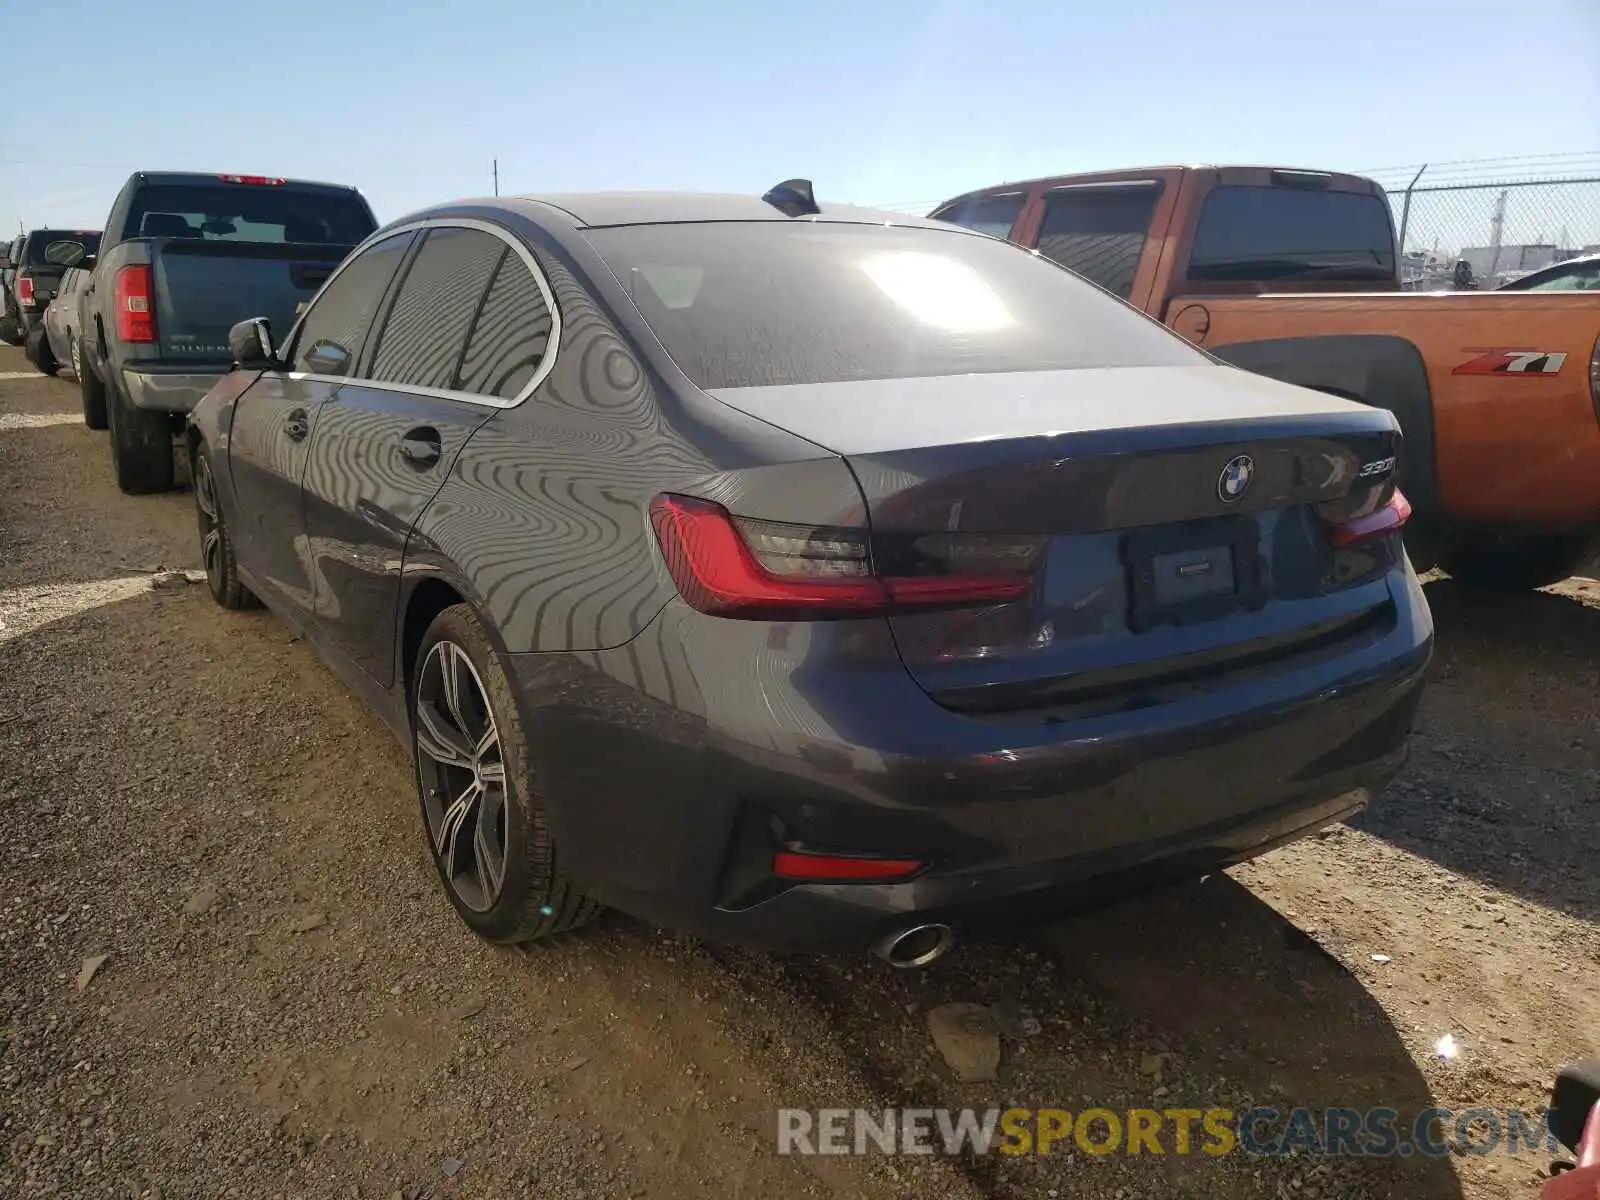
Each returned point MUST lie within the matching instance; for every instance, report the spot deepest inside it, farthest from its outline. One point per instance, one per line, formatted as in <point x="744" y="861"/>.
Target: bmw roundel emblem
<point x="1235" y="479"/>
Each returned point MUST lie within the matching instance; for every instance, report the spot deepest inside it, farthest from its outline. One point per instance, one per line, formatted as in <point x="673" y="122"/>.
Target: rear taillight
<point x="25" y="290"/>
<point x="254" y="180"/>
<point x="798" y="865"/>
<point x="731" y="566"/>
<point x="136" y="318"/>
<point x="1391" y="518"/>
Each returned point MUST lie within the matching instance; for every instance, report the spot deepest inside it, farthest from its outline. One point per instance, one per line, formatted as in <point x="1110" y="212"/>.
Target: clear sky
<point x="885" y="102"/>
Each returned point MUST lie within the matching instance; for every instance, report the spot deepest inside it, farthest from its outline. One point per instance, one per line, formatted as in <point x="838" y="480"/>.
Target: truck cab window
<point x="1099" y="231"/>
<point x="994" y="215"/>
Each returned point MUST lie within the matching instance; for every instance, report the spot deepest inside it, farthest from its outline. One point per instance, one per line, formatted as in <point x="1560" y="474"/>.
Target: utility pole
<point x="497" y="177"/>
<point x="1497" y="225"/>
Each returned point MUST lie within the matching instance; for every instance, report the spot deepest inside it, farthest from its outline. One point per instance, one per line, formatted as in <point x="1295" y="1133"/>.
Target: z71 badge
<point x="1511" y="362"/>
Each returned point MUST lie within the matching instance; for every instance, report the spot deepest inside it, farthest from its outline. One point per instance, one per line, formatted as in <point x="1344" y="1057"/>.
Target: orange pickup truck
<point x="1294" y="274"/>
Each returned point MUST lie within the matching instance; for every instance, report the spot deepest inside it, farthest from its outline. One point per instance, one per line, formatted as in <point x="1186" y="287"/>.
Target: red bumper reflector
<point x="1388" y="519"/>
<point x="793" y="864"/>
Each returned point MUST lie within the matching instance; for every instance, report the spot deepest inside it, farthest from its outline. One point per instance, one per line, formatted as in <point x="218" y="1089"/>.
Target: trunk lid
<point x="204" y="288"/>
<point x="1180" y="518"/>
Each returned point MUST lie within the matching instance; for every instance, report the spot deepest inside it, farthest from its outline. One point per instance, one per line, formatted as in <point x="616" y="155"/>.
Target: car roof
<point x="599" y="209"/>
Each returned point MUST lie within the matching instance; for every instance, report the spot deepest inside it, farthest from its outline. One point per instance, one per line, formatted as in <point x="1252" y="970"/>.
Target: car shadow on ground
<point x="1199" y="996"/>
<point x="1505" y="771"/>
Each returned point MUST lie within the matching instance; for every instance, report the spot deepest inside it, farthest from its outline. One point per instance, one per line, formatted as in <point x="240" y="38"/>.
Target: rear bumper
<point x="673" y="767"/>
<point x="167" y="391"/>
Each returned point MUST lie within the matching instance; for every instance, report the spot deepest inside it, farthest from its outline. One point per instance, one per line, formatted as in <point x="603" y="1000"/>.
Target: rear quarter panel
<point x="1515" y="431"/>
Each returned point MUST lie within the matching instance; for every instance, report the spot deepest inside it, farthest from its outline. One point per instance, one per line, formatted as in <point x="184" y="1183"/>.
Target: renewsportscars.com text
<point x="1372" y="1132"/>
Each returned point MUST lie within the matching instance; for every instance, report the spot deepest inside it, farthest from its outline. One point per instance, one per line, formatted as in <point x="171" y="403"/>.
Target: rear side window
<point x="242" y="212"/>
<point x="748" y="304"/>
<point x="1099" y="231"/>
<point x="1286" y="232"/>
<point x="423" y="338"/>
<point x="330" y="333"/>
<point x="994" y="215"/>
<point x="511" y="335"/>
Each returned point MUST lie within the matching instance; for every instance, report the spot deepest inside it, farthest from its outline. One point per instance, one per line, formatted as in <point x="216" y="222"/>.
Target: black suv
<point x="38" y="260"/>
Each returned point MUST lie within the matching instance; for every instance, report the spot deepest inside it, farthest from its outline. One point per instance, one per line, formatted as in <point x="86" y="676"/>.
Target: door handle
<point x="421" y="447"/>
<point x="296" y="425"/>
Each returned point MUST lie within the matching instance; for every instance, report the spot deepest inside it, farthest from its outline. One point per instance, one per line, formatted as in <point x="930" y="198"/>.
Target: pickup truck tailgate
<point x="204" y="288"/>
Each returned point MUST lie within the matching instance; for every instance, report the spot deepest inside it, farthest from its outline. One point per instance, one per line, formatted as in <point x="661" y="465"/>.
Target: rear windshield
<point x="1283" y="233"/>
<point x="248" y="213"/>
<point x="41" y="240"/>
<point x="748" y="304"/>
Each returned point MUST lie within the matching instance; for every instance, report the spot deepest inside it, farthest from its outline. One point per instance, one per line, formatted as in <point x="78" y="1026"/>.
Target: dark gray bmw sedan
<point x="812" y="578"/>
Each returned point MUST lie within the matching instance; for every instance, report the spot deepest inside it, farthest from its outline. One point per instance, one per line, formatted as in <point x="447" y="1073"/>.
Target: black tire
<point x="38" y="352"/>
<point x="90" y="389"/>
<point x="1534" y="563"/>
<point x="216" y="546"/>
<point x="10" y="330"/>
<point x="533" y="897"/>
<point x="141" y="447"/>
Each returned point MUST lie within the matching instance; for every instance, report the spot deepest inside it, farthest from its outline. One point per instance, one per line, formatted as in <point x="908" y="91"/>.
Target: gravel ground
<point x="288" y="1007"/>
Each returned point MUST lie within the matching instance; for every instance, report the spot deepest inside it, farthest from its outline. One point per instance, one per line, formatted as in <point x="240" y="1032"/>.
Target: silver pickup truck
<point x="183" y="258"/>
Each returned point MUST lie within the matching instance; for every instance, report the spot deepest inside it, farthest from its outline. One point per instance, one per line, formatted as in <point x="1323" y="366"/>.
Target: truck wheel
<point x="10" y="331"/>
<point x="141" y="447"/>
<point x="38" y="352"/>
<point x="90" y="389"/>
<point x="216" y="546"/>
<point x="1534" y="563"/>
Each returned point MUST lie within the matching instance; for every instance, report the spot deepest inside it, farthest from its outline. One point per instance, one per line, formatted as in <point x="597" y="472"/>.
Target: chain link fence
<point x="1481" y="224"/>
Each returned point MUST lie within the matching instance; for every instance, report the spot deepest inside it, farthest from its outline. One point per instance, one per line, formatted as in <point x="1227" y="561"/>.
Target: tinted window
<point x="240" y="212"/>
<point x="41" y="239"/>
<point x="1282" y="232"/>
<point x="1099" y="232"/>
<point x="511" y="335"/>
<point x="329" y="336"/>
<point x="752" y="303"/>
<point x="994" y="215"/>
<point x="423" y="337"/>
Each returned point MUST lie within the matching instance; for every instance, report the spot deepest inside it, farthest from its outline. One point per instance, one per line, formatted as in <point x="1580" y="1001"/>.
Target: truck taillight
<point x="136" y="318"/>
<point x="25" y="290"/>
<point x="731" y="566"/>
<point x="253" y="180"/>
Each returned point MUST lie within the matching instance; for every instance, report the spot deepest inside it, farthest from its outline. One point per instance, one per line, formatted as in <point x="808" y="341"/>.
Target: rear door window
<point x="511" y="335"/>
<point x="994" y="215"/>
<point x="1291" y="232"/>
<point x="330" y="334"/>
<point x="425" y="333"/>
<point x="243" y="212"/>
<point x="1099" y="231"/>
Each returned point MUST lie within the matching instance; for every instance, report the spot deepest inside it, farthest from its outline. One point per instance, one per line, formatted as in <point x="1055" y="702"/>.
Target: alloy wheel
<point x="463" y="776"/>
<point x="72" y="350"/>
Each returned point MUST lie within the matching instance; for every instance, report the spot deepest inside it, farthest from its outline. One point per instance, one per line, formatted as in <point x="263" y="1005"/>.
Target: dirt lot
<point x="289" y="1007"/>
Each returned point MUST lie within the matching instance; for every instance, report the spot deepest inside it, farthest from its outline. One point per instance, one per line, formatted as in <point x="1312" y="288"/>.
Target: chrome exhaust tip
<point x="917" y="946"/>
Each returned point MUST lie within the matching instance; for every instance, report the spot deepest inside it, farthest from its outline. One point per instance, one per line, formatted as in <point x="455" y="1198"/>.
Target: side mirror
<point x="251" y="344"/>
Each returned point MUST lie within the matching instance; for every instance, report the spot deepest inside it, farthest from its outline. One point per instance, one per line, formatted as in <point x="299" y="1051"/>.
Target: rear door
<point x="462" y="336"/>
<point x="274" y="420"/>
